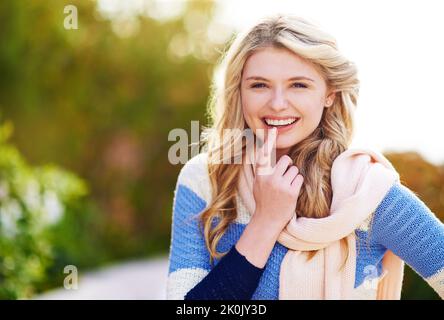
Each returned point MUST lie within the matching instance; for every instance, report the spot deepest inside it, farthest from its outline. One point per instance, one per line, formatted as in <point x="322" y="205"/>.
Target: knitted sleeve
<point x="233" y="278"/>
<point x="190" y="275"/>
<point x="188" y="258"/>
<point x="405" y="225"/>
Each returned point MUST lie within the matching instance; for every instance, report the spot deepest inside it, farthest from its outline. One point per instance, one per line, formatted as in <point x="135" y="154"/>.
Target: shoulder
<point x="194" y="176"/>
<point x="197" y="164"/>
<point x="370" y="155"/>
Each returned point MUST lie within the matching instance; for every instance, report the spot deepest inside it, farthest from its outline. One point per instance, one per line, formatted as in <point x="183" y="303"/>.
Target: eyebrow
<point x="290" y="79"/>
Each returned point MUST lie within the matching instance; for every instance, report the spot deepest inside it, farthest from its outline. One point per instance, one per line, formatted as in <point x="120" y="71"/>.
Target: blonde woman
<point x="325" y="221"/>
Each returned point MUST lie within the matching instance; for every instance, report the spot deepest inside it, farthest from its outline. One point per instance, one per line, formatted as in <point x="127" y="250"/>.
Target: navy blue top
<point x="233" y="278"/>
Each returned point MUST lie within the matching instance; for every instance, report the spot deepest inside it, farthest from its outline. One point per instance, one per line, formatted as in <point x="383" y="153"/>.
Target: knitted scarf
<point x="360" y="179"/>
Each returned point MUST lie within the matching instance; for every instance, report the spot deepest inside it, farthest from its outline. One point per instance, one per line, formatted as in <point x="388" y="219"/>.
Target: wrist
<point x="269" y="224"/>
<point x="257" y="240"/>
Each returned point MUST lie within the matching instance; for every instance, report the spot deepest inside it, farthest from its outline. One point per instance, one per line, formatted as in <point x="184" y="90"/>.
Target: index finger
<point x="266" y="159"/>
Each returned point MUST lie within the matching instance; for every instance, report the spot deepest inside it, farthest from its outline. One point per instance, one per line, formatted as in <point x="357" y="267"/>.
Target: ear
<point x="330" y="99"/>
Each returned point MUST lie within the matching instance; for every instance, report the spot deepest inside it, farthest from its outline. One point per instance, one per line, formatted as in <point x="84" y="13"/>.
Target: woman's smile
<point x="282" y="124"/>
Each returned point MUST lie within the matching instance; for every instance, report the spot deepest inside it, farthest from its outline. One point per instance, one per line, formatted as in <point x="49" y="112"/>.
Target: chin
<point x="284" y="142"/>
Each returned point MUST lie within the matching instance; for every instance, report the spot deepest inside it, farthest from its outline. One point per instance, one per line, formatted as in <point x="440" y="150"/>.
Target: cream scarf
<point x="360" y="179"/>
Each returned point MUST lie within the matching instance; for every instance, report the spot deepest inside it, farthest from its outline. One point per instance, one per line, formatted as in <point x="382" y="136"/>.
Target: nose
<point x="278" y="100"/>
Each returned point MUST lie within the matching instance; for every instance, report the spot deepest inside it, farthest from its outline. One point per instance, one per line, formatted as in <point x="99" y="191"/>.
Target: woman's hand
<point x="275" y="188"/>
<point x="275" y="191"/>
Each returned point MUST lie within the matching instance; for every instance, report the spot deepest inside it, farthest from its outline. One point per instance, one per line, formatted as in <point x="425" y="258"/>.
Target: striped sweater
<point x="402" y="223"/>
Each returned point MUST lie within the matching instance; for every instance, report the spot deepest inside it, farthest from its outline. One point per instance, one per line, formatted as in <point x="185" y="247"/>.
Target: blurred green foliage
<point x="102" y="105"/>
<point x="100" y="101"/>
<point x="32" y="199"/>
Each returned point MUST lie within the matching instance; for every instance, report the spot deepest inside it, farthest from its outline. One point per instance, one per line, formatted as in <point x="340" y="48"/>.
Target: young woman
<point x="326" y="221"/>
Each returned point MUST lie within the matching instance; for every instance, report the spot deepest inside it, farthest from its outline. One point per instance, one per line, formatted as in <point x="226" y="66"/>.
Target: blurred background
<point x="85" y="115"/>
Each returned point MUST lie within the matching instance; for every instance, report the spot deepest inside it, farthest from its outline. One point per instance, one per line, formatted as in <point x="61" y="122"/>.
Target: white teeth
<point x="273" y="122"/>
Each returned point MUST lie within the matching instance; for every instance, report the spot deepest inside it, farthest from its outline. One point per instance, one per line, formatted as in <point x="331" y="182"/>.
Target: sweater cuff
<point x="233" y="278"/>
<point x="242" y="261"/>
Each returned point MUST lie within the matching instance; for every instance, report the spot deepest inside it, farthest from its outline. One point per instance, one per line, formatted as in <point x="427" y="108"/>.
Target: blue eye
<point x="258" y="85"/>
<point x="263" y="85"/>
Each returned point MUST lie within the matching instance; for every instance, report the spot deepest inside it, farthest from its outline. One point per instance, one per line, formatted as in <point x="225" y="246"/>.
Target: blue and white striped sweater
<point x="401" y="223"/>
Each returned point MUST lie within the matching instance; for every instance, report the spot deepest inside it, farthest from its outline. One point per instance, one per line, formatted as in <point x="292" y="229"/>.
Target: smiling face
<point x="278" y="88"/>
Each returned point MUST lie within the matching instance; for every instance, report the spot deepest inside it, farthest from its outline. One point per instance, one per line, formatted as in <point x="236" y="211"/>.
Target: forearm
<point x="257" y="240"/>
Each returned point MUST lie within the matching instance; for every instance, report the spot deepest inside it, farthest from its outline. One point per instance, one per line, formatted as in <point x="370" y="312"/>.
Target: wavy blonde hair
<point x="313" y="156"/>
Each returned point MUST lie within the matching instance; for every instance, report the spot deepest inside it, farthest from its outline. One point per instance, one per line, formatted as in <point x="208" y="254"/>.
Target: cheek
<point x="251" y="105"/>
<point x="311" y="109"/>
<point x="313" y="114"/>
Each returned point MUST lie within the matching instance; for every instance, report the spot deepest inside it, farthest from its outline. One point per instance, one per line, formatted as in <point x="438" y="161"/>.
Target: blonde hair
<point x="313" y="156"/>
